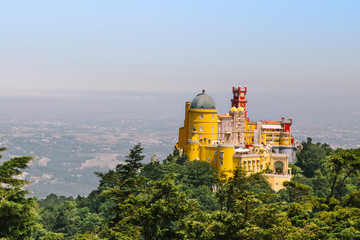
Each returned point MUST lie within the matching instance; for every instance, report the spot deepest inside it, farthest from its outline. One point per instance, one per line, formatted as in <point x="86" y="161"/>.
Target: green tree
<point x="296" y="191"/>
<point x="122" y="172"/>
<point x="199" y="173"/>
<point x="155" y="213"/>
<point x="69" y="220"/>
<point x="18" y="216"/>
<point x="352" y="199"/>
<point x="343" y="165"/>
<point x="231" y="189"/>
<point x="124" y="178"/>
<point x="133" y="162"/>
<point x="312" y="156"/>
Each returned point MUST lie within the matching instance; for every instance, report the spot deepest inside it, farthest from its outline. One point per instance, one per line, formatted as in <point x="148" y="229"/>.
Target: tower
<point x="200" y="114"/>
<point x="239" y="98"/>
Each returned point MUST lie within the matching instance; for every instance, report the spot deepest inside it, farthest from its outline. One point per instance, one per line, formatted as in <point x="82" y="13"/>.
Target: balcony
<point x="277" y="175"/>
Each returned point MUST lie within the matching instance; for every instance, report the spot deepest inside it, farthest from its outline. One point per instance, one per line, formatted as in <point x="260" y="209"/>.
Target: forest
<point x="178" y="199"/>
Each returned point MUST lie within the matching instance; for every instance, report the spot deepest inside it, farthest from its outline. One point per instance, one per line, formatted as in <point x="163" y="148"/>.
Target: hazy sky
<point x="177" y="46"/>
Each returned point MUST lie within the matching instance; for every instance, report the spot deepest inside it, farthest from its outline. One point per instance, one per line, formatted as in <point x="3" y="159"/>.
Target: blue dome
<point x="203" y="101"/>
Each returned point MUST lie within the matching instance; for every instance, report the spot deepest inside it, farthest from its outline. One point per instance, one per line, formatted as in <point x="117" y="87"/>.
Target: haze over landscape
<point x="100" y="76"/>
<point x="98" y="139"/>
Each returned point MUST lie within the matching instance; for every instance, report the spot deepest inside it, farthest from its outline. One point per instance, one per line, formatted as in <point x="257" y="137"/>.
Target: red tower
<point x="239" y="98"/>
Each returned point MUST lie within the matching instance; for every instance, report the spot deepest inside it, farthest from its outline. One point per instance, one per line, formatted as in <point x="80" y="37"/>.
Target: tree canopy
<point x="181" y="199"/>
<point x="18" y="216"/>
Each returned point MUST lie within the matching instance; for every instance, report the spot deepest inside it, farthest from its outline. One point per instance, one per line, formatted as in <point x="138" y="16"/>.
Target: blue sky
<point x="305" y="47"/>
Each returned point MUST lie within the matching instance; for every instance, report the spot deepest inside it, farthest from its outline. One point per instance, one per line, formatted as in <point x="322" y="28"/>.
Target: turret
<point x="193" y="150"/>
<point x="239" y="98"/>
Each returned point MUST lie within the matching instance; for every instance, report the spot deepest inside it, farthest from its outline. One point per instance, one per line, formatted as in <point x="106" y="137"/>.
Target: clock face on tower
<point x="242" y="95"/>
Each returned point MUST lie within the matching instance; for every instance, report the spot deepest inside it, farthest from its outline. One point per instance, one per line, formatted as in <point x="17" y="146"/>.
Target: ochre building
<point x="230" y="140"/>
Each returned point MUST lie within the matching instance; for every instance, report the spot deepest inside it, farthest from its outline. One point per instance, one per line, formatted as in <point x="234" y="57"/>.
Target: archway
<point x="279" y="167"/>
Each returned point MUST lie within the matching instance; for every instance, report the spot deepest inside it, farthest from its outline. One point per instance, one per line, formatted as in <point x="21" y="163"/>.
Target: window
<point x="191" y="116"/>
<point x="212" y="128"/>
<point x="201" y="116"/>
<point x="208" y="159"/>
<point x="213" y="117"/>
<point x="201" y="128"/>
<point x="221" y="163"/>
<point x="214" y="160"/>
<point x="201" y="135"/>
<point x="215" y="151"/>
<point x="221" y="155"/>
<point x="191" y="128"/>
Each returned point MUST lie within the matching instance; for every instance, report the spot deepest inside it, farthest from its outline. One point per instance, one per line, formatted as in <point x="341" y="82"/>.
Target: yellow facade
<point x="229" y="141"/>
<point x="205" y="122"/>
<point x="276" y="181"/>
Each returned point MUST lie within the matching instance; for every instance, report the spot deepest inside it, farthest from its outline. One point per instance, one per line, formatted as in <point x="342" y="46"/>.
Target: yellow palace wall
<point x="223" y="158"/>
<point x="199" y="140"/>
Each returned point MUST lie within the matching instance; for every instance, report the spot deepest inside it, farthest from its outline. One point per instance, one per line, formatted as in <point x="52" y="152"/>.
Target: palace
<point x="230" y="140"/>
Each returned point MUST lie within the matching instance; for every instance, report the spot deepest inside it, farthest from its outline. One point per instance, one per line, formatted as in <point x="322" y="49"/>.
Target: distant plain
<point x="73" y="134"/>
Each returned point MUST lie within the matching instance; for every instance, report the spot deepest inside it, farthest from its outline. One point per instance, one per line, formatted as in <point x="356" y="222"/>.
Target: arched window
<point x="279" y="167"/>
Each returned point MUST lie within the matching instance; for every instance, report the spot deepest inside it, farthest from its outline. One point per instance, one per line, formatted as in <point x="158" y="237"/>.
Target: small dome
<point x="203" y="101"/>
<point x="240" y="109"/>
<point x="234" y="109"/>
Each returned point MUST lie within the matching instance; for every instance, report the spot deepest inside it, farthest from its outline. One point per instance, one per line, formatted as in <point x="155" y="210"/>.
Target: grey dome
<point x="203" y="101"/>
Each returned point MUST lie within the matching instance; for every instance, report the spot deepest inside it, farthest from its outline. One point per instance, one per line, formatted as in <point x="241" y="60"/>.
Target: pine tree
<point x="17" y="212"/>
<point x="123" y="172"/>
<point x="133" y="162"/>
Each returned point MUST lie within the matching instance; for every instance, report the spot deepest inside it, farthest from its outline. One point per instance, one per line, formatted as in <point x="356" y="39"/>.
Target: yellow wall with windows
<point x="276" y="137"/>
<point x="199" y="140"/>
<point x="193" y="151"/>
<point x="225" y="155"/>
<point x="223" y="158"/>
<point x="205" y="122"/>
<point x="276" y="181"/>
<point x="193" y="147"/>
<point x="209" y="154"/>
